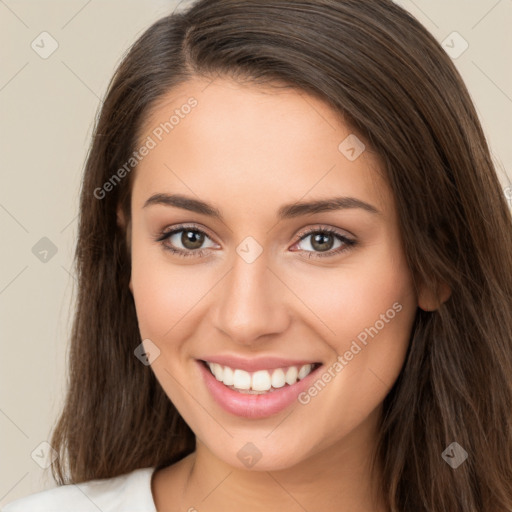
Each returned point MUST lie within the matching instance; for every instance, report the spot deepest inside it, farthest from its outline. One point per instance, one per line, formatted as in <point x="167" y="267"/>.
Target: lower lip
<point x="253" y="406"/>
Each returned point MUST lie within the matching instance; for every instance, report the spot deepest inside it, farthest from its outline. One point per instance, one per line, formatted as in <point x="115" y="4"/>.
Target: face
<point x="260" y="284"/>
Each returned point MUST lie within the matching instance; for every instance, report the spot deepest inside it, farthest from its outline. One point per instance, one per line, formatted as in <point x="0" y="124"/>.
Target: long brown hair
<point x="394" y="85"/>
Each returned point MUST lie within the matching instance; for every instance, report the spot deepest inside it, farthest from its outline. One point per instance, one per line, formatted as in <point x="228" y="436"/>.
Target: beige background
<point x="48" y="107"/>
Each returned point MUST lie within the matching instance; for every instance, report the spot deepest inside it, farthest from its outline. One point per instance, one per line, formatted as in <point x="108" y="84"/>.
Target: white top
<point x="125" y="493"/>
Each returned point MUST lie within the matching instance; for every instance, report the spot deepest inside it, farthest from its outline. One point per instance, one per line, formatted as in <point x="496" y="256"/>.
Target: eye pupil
<point x="192" y="239"/>
<point x="319" y="241"/>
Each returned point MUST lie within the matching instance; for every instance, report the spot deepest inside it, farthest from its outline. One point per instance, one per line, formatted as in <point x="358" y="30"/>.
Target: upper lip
<point x="256" y="363"/>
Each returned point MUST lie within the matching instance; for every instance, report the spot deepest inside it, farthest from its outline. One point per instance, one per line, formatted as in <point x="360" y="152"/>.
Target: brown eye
<point x="192" y="239"/>
<point x="185" y="241"/>
<point x="323" y="242"/>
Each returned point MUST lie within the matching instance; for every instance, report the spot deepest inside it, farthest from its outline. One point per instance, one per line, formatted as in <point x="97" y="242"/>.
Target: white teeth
<point x="304" y="371"/>
<point x="291" y="375"/>
<point x="278" y="379"/>
<point x="241" y="379"/>
<point x="228" y="376"/>
<point x="217" y="370"/>
<point x="260" y="381"/>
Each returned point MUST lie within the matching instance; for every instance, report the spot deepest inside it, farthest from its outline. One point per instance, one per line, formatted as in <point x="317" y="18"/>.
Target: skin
<point x="248" y="150"/>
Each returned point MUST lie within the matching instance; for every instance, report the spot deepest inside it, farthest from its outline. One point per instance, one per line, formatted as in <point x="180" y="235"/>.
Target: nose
<point x="251" y="303"/>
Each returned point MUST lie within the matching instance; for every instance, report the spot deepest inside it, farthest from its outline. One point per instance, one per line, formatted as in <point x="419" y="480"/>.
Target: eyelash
<point x="348" y="242"/>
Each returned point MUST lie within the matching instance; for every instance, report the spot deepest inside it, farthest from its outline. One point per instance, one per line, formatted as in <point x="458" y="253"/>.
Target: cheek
<point x="372" y="317"/>
<point x="376" y="312"/>
<point x="162" y="292"/>
<point x="169" y="297"/>
<point x="369" y="309"/>
<point x="353" y="296"/>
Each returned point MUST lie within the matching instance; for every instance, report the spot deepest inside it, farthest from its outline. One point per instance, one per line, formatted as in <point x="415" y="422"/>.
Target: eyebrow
<point x="287" y="211"/>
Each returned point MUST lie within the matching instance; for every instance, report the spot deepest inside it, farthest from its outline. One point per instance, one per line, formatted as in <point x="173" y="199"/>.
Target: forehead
<point x="221" y="137"/>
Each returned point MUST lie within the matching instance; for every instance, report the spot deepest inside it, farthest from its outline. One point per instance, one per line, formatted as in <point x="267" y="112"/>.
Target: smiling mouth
<point x="261" y="381"/>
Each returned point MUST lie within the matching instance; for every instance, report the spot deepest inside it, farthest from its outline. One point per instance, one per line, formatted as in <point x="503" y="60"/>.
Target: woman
<point x="295" y="274"/>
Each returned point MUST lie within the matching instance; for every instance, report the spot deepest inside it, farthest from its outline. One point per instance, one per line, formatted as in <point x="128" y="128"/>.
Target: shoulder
<point x="125" y="493"/>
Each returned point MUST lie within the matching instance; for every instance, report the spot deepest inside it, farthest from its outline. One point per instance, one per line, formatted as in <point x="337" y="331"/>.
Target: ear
<point x="430" y="300"/>
<point x="125" y="227"/>
<point x="121" y="219"/>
